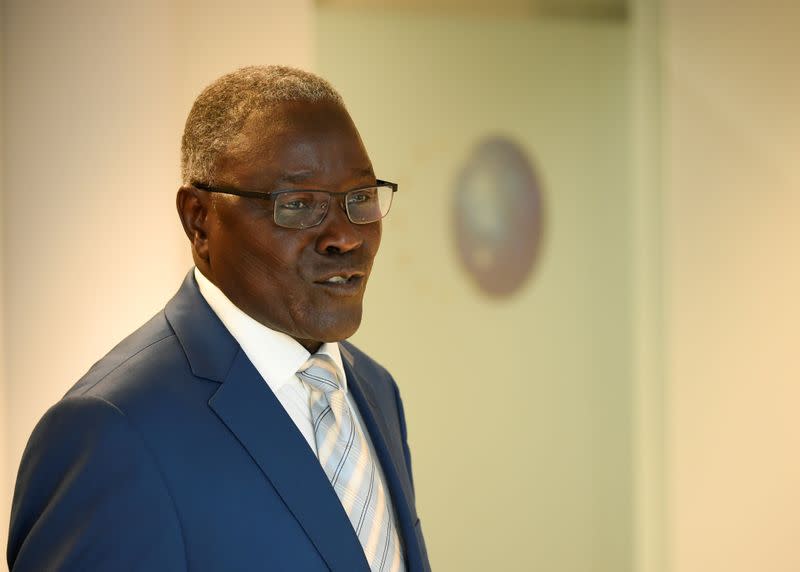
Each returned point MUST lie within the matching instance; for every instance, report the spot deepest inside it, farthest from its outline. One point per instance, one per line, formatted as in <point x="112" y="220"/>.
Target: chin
<point x="337" y="329"/>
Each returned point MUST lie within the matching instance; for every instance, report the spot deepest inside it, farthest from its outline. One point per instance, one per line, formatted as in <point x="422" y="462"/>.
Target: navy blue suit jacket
<point x="172" y="453"/>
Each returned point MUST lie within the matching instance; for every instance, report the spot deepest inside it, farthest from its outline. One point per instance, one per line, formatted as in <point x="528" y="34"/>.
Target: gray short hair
<point x="220" y="111"/>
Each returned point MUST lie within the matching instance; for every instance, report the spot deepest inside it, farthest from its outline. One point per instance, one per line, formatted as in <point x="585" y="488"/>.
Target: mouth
<point x="343" y="282"/>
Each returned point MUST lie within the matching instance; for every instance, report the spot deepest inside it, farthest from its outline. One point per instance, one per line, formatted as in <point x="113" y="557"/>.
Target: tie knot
<point x="321" y="374"/>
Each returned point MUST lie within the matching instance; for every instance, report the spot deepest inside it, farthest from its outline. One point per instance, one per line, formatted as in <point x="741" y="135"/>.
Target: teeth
<point x="337" y="279"/>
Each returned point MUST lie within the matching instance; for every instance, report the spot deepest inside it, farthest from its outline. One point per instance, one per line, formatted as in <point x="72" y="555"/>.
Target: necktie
<point x="345" y="457"/>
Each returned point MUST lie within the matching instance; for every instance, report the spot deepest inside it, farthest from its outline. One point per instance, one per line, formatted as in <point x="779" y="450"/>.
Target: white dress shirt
<point x="277" y="357"/>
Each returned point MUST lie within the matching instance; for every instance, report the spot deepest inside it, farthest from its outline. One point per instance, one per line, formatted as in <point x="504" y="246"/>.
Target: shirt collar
<point x="276" y="356"/>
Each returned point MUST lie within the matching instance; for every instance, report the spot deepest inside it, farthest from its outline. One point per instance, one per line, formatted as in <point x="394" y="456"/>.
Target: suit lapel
<point x="391" y="460"/>
<point x="252" y="412"/>
<point x="249" y="409"/>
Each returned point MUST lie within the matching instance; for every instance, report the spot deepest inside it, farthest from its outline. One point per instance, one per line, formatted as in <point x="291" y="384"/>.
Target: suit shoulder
<point x="137" y="366"/>
<point x="153" y="331"/>
<point x="87" y="469"/>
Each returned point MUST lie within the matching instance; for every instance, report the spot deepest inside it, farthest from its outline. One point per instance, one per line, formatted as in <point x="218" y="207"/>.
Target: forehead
<point x="315" y="139"/>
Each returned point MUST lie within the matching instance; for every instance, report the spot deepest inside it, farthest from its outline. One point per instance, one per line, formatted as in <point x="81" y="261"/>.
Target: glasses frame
<point x="267" y="195"/>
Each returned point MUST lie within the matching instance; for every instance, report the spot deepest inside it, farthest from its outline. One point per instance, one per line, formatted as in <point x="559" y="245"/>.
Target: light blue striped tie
<point x="345" y="456"/>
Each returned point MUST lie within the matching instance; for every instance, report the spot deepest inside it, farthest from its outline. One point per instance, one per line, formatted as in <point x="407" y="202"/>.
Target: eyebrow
<point x="302" y="176"/>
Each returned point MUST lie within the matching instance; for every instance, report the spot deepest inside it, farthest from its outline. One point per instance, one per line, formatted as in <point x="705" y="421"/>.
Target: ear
<point x="193" y="209"/>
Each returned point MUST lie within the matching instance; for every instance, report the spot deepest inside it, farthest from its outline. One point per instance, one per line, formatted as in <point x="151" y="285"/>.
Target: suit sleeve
<point x="90" y="496"/>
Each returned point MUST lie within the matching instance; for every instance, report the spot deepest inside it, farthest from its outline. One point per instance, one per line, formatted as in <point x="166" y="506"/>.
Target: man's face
<point x="280" y="276"/>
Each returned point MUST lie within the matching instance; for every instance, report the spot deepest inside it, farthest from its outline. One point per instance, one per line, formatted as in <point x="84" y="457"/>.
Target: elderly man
<point x="236" y="430"/>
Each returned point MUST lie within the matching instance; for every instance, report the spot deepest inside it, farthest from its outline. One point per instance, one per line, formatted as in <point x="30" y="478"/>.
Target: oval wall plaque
<point x="498" y="215"/>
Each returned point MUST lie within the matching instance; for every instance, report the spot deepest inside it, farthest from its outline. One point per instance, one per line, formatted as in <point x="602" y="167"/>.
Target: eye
<point x="298" y="201"/>
<point x="295" y="205"/>
<point x="361" y="197"/>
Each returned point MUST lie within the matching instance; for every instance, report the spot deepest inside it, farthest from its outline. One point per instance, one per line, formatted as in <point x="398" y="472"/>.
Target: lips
<point x="344" y="282"/>
<point x="340" y="277"/>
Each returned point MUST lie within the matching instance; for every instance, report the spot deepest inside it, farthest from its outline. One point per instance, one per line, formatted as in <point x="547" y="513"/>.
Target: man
<point x="232" y="432"/>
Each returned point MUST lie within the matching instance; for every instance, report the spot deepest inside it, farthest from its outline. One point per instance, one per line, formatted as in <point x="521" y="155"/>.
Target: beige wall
<point x="647" y="292"/>
<point x="95" y="94"/>
<point x="4" y="486"/>
<point x="519" y="410"/>
<point x="732" y="278"/>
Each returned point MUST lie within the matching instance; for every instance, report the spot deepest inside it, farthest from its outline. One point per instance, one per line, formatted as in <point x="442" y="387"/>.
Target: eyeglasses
<point x="301" y="209"/>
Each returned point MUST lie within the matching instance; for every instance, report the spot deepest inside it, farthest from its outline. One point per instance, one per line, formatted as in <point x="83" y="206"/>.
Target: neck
<point x="310" y="345"/>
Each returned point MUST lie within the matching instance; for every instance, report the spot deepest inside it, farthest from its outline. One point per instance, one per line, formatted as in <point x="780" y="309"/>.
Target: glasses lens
<point x="301" y="209"/>
<point x="369" y="205"/>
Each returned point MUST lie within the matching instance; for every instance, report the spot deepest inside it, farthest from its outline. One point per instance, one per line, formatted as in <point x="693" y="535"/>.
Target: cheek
<point x="257" y="275"/>
<point x="372" y="238"/>
<point x="265" y="255"/>
<point x="263" y="263"/>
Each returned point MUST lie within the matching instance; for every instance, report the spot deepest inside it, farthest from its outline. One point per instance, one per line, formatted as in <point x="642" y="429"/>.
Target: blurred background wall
<point x="519" y="405"/>
<point x="732" y="278"/>
<point x="635" y="396"/>
<point x="95" y="94"/>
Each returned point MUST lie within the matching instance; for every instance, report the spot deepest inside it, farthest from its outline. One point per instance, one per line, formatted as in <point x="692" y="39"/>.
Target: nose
<point x="336" y="233"/>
